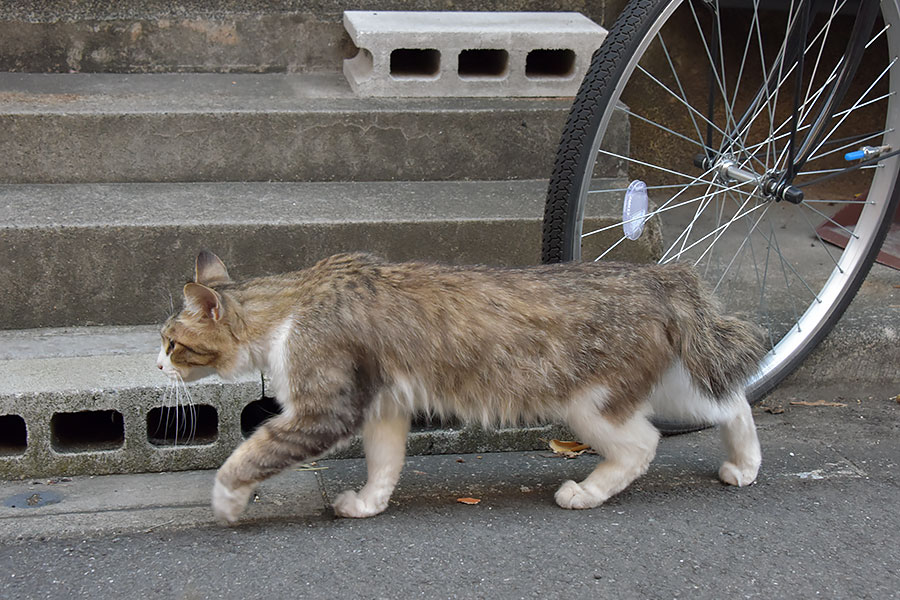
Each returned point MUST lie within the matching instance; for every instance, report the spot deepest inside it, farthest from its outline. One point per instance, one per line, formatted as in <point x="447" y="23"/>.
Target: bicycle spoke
<point x="787" y="284"/>
<point x="869" y="202"/>
<point x="715" y="231"/>
<point x="855" y="142"/>
<point x="729" y="118"/>
<point x="610" y="249"/>
<point x="664" y="208"/>
<point x="646" y="164"/>
<point x="762" y="295"/>
<point x="812" y="76"/>
<point x="663" y="127"/>
<point x="721" y="229"/>
<point x="685" y="235"/>
<point x="740" y="248"/>
<point x="830" y="220"/>
<point x="649" y="187"/>
<point x="646" y="217"/>
<point x="856" y="104"/>
<point x="835" y="170"/>
<point x="691" y="109"/>
<point x="821" y="241"/>
<point x="678" y="83"/>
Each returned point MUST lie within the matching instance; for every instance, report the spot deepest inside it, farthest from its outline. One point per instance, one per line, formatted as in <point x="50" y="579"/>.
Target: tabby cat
<point x="355" y="344"/>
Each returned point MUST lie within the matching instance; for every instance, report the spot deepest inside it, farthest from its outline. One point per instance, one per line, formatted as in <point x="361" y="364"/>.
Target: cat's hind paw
<point x="738" y="476"/>
<point x="228" y="504"/>
<point x="352" y="505"/>
<point x="574" y="496"/>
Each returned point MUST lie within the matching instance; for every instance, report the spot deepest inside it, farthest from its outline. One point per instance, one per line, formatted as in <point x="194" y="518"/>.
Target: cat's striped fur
<point x="358" y="345"/>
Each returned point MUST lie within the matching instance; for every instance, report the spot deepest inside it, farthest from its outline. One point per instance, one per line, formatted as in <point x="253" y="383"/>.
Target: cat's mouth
<point x="171" y="373"/>
<point x="189" y="375"/>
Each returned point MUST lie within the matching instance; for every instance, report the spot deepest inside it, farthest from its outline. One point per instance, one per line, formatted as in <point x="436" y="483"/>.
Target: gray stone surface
<point x="135" y="36"/>
<point x="62" y="128"/>
<point x="118" y="254"/>
<point x="470" y="53"/>
<point x="820" y="522"/>
<point x="89" y="506"/>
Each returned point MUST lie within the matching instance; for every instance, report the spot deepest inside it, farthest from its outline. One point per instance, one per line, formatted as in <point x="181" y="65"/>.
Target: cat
<point x="355" y="344"/>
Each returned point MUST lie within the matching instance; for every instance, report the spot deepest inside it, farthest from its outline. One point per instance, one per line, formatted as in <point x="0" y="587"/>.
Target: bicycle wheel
<point x="736" y="183"/>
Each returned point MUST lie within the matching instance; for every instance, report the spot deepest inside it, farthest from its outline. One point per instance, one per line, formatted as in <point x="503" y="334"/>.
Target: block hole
<point x="410" y="63"/>
<point x="479" y="64"/>
<point x="258" y="412"/>
<point x="362" y="64"/>
<point x="13" y="435"/>
<point x="183" y="425"/>
<point x="87" y="431"/>
<point x="550" y="63"/>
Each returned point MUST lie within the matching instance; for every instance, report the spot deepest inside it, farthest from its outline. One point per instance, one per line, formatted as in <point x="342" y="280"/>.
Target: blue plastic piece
<point x="855" y="155"/>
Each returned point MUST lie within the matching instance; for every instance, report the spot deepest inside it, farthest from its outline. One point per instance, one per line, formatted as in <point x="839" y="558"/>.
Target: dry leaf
<point x="775" y="410"/>
<point x="468" y="500"/>
<point x="569" y="449"/>
<point x="817" y="403"/>
<point x="310" y="467"/>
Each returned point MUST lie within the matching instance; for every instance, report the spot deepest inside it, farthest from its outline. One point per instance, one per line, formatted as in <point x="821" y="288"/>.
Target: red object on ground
<point x="847" y="217"/>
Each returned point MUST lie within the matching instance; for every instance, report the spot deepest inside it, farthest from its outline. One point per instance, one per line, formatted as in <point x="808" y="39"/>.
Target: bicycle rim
<point x="765" y="258"/>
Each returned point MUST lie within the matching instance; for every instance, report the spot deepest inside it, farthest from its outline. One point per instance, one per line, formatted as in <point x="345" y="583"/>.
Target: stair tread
<point x="67" y="342"/>
<point x="184" y="204"/>
<point x="326" y="92"/>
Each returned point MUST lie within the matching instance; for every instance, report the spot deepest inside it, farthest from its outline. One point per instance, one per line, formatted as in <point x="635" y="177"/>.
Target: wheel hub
<point x="769" y="183"/>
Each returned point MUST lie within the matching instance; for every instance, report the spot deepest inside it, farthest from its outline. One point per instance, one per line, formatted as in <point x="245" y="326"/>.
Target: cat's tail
<point x="720" y="352"/>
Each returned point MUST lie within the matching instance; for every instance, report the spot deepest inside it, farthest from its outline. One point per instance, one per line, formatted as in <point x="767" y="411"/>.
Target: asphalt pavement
<point x="821" y="522"/>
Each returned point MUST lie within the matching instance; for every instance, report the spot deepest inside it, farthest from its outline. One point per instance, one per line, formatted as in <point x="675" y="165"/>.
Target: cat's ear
<point x="210" y="269"/>
<point x="203" y="300"/>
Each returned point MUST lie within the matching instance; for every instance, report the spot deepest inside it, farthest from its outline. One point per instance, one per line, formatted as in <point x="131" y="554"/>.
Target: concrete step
<point x="256" y="36"/>
<point x="116" y="254"/>
<point x="88" y="128"/>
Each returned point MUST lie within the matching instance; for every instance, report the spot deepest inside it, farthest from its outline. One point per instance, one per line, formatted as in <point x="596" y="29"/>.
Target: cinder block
<point x="469" y="53"/>
<point x="111" y="413"/>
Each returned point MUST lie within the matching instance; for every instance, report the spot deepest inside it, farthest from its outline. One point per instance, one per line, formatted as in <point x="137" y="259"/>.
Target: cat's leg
<point x="741" y="443"/>
<point x="627" y="448"/>
<point x="278" y="443"/>
<point x="384" y="442"/>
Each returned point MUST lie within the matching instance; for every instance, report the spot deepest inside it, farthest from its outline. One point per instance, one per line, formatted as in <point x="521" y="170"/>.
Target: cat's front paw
<point x="352" y="505"/>
<point x="736" y="475"/>
<point x="572" y="495"/>
<point x="228" y="504"/>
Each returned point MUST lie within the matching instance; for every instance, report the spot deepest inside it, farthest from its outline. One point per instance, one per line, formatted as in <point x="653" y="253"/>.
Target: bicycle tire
<point x="611" y="73"/>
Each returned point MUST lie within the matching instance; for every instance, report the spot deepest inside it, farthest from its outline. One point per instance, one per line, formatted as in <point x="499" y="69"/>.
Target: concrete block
<point x="97" y="415"/>
<point x="406" y="54"/>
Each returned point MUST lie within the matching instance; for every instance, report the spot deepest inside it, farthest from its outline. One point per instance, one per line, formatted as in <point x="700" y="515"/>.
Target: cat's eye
<point x="170" y="347"/>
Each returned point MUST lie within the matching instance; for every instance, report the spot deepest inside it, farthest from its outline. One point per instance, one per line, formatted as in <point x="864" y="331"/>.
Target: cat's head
<point x="201" y="339"/>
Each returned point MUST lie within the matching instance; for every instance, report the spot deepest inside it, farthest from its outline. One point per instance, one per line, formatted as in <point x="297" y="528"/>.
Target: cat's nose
<point x="160" y="366"/>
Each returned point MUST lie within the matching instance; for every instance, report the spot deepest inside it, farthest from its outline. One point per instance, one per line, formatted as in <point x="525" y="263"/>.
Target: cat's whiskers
<point x="167" y="394"/>
<point x="191" y="409"/>
<point x="179" y="407"/>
